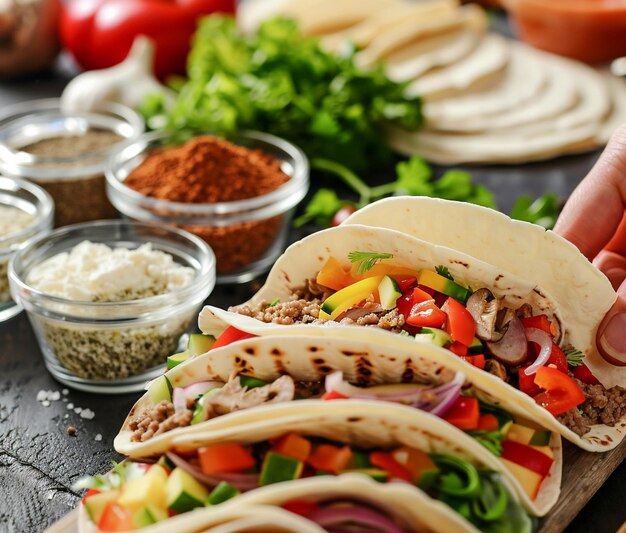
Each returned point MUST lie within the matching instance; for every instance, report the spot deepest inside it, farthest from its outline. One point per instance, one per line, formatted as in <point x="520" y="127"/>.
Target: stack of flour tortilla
<point x="487" y="99"/>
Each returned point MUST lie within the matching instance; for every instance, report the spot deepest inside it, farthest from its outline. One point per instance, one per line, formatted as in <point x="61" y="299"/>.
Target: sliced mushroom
<point x="496" y="368"/>
<point x="511" y="349"/>
<point x="483" y="307"/>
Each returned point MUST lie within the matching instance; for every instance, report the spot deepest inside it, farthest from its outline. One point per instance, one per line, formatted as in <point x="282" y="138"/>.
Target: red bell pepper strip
<point x="420" y="296"/>
<point x="583" y="373"/>
<point x="460" y="325"/>
<point x="301" y="507"/>
<point x="293" y="445"/>
<point x="541" y="322"/>
<point x="231" y="334"/>
<point x="561" y="392"/>
<point x="99" y="33"/>
<point x="527" y="383"/>
<point x="464" y="413"/>
<point x="488" y="422"/>
<point x="116" y="518"/>
<point x="386" y="462"/>
<point x="329" y="458"/>
<point x="426" y="315"/>
<point x="527" y="456"/>
<point x="333" y="395"/>
<point x="477" y="360"/>
<point x="457" y="348"/>
<point x="225" y="458"/>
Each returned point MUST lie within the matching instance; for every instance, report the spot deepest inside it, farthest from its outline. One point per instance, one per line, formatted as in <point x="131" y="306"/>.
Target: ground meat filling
<point x="602" y="406"/>
<point x="158" y="419"/>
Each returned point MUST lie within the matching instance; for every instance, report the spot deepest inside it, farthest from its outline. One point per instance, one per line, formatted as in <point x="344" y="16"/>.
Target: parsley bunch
<point x="282" y="82"/>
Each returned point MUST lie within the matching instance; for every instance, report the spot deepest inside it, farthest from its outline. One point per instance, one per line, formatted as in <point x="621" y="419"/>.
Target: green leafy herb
<point x="321" y="209"/>
<point x="492" y="440"/>
<point x="274" y="302"/>
<point x="280" y="81"/>
<point x="366" y="260"/>
<point x="443" y="271"/>
<point x="575" y="358"/>
<point x="543" y="211"/>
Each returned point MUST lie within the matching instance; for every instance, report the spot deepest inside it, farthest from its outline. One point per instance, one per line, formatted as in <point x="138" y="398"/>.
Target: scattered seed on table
<point x="71" y="430"/>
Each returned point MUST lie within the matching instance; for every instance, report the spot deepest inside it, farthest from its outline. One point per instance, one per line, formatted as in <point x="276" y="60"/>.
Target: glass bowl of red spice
<point x="238" y="192"/>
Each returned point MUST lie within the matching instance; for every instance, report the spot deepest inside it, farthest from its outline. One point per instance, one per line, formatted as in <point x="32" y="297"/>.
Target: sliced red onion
<point x="335" y="382"/>
<point x="331" y="517"/>
<point x="545" y="342"/>
<point x="242" y="481"/>
<point x="179" y="400"/>
<point x="448" y="394"/>
<point x="195" y="390"/>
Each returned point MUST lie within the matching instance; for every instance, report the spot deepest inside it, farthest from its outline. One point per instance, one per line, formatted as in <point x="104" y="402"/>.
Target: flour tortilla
<point x="487" y="59"/>
<point x="310" y="358"/>
<point x="258" y="511"/>
<point x="528" y="252"/>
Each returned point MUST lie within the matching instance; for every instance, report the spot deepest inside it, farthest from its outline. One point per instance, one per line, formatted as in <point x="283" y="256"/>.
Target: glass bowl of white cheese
<point x="110" y="300"/>
<point x="25" y="211"/>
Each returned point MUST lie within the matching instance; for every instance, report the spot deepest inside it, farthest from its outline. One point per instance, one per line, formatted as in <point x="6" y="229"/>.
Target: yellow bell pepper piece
<point x="342" y="300"/>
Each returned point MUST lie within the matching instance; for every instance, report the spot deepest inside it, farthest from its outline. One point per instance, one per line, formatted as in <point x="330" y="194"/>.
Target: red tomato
<point x="460" y="325"/>
<point x="426" y="315"/>
<point x="457" y="348"/>
<point x="342" y="214"/>
<point x="231" y="334"/>
<point x="116" y="518"/>
<point x="488" y="422"/>
<point x="405" y="282"/>
<point x="464" y="413"/>
<point x="90" y="492"/>
<point x="539" y="321"/>
<point x="333" y="395"/>
<point x="329" y="458"/>
<point x="293" y="445"/>
<point x="225" y="458"/>
<point x="477" y="360"/>
<point x="527" y="383"/>
<point x="99" y="33"/>
<point x="386" y="462"/>
<point x="420" y="296"/>
<point x="584" y="374"/>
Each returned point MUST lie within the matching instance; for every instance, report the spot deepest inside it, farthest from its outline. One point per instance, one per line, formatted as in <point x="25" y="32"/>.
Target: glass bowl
<point x="246" y="235"/>
<point x="112" y="347"/>
<point x="39" y="208"/>
<point x="75" y="182"/>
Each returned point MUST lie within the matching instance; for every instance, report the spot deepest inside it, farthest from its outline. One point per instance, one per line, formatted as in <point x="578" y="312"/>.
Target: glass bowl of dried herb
<point x="109" y="300"/>
<point x="238" y="193"/>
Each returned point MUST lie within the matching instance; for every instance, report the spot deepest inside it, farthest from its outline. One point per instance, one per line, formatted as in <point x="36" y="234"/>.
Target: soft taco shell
<point x="310" y="358"/>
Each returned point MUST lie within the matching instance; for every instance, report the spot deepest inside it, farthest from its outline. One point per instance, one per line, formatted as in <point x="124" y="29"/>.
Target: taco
<point x="274" y="373"/>
<point x="483" y="315"/>
<point x="412" y="453"/>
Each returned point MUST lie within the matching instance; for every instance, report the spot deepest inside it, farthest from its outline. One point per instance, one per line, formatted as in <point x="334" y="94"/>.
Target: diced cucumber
<point x="224" y="491"/>
<point x="184" y="493"/>
<point x="375" y="473"/>
<point x="476" y="347"/>
<point x="540" y="438"/>
<point x="436" y="336"/>
<point x="198" y="411"/>
<point x="389" y="292"/>
<point x="177" y="359"/>
<point x="278" y="467"/>
<point x="160" y="389"/>
<point x="96" y="503"/>
<point x="250" y="382"/>
<point x="148" y="515"/>
<point x="441" y="284"/>
<point x="199" y="343"/>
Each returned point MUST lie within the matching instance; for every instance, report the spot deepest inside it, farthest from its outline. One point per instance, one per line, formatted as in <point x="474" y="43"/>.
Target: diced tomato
<point x="405" y="282"/>
<point x="334" y="276"/>
<point x="330" y="458"/>
<point x="583" y="373"/>
<point x="405" y="302"/>
<point x="527" y="456"/>
<point x="415" y="461"/>
<point x="301" y="507"/>
<point x="90" y="492"/>
<point x="171" y="512"/>
<point x="386" y="462"/>
<point x="540" y="322"/>
<point x="116" y="518"/>
<point x="464" y="413"/>
<point x="488" y="422"/>
<point x="426" y="315"/>
<point x="460" y="325"/>
<point x="231" y="334"/>
<point x="457" y="348"/>
<point x="225" y="458"/>
<point x="440" y="299"/>
<point x="333" y="395"/>
<point x="561" y="392"/>
<point x="420" y="296"/>
<point x="527" y="383"/>
<point x="294" y="446"/>
<point x="428" y="290"/>
<point x="477" y="360"/>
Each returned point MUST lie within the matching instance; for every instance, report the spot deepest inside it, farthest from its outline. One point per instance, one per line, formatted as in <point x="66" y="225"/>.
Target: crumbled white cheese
<point x="87" y="413"/>
<point x="98" y="437"/>
<point x="95" y="272"/>
<point x="65" y="392"/>
<point x="45" y="403"/>
<point x="70" y="406"/>
<point x="13" y="219"/>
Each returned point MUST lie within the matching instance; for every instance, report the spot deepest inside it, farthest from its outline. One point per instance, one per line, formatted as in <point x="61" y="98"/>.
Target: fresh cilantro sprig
<point x="492" y="440"/>
<point x="543" y="211"/>
<point x="367" y="260"/>
<point x="575" y="358"/>
<point x="443" y="271"/>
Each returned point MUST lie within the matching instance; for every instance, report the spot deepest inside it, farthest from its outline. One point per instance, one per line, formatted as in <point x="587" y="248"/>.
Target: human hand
<point x="594" y="219"/>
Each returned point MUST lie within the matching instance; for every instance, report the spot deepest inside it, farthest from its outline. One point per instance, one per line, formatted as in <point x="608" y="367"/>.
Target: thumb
<point x="611" y="337"/>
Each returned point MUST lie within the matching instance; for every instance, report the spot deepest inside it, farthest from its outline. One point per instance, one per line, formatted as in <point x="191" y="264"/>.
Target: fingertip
<point x="611" y="338"/>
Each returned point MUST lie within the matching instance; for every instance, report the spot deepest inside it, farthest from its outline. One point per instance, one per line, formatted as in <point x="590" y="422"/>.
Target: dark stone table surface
<point x="39" y="461"/>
